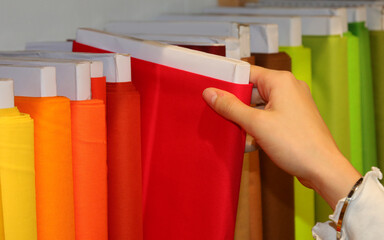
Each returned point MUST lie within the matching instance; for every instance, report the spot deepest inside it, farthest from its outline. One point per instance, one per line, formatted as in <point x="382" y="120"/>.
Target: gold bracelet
<point x="344" y="208"/>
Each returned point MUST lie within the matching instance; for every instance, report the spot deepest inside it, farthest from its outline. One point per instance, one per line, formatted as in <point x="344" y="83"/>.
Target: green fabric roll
<point x="330" y="92"/>
<point x="304" y="197"/>
<point x="377" y="57"/>
<point x="367" y="106"/>
<point x="301" y="62"/>
<point x="355" y="122"/>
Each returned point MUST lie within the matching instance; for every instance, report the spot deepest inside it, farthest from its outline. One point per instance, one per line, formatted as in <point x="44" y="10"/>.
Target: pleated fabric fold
<point x="330" y="92"/>
<point x="304" y="197"/>
<point x="366" y="89"/>
<point x="98" y="88"/>
<point x="53" y="165"/>
<point x="276" y="185"/>
<point x="125" y="220"/>
<point x="89" y="148"/>
<point x="377" y="57"/>
<point x="17" y="176"/>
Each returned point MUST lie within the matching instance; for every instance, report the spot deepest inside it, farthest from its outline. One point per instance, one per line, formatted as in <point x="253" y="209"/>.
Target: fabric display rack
<point x="107" y="136"/>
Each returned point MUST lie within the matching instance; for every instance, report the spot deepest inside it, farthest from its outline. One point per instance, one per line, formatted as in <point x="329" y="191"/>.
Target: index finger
<point x="259" y="75"/>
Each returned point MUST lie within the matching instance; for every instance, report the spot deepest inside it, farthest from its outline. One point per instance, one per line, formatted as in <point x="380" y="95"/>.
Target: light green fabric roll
<point x="301" y="62"/>
<point x="377" y="57"/>
<point x="330" y="92"/>
<point x="304" y="197"/>
<point x="367" y="106"/>
<point x="355" y="122"/>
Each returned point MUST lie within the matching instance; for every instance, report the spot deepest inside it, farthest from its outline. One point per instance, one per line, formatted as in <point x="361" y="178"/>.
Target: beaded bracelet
<point x="344" y="208"/>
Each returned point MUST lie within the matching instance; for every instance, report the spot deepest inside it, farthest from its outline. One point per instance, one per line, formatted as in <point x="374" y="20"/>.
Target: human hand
<point x="291" y="131"/>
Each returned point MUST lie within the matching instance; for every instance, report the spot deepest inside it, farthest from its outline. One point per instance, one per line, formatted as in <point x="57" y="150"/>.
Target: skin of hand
<point x="291" y="131"/>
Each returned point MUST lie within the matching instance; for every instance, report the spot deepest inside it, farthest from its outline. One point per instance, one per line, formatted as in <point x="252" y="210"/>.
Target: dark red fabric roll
<point x="98" y="88"/>
<point x="192" y="157"/>
<point x="124" y="162"/>
<point x="217" y="50"/>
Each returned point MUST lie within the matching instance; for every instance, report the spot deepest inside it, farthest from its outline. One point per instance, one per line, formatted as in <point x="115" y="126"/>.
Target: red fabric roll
<point x="192" y="157"/>
<point x="89" y="149"/>
<point x="98" y="88"/>
<point x="124" y="162"/>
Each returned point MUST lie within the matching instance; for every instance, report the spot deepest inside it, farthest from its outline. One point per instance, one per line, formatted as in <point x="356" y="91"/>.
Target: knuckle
<point x="287" y="75"/>
<point x="227" y="106"/>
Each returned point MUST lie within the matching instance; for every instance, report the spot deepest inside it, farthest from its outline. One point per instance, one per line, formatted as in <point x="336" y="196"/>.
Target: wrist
<point x="335" y="178"/>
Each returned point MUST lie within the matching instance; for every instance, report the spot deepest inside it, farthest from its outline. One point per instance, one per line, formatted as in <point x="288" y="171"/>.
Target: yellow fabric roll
<point x="17" y="176"/>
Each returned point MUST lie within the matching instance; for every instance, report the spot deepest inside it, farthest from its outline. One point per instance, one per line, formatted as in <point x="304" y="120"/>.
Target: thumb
<point x="230" y="107"/>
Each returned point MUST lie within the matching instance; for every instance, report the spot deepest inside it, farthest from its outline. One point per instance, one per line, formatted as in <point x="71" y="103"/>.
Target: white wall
<point x="23" y="21"/>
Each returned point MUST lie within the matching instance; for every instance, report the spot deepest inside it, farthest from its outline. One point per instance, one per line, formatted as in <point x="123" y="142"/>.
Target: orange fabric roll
<point x="249" y="225"/>
<point x="255" y="208"/>
<point x="89" y="146"/>
<point x="53" y="165"/>
<point x="98" y="88"/>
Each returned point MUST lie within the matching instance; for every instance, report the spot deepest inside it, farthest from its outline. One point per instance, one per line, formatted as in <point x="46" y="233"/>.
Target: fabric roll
<point x="249" y="224"/>
<point x="242" y="227"/>
<point x="17" y="175"/>
<point x="354" y="100"/>
<point x="276" y="61"/>
<point x="125" y="220"/>
<point x="192" y="157"/>
<point x="301" y="62"/>
<point x="89" y="149"/>
<point x="255" y="208"/>
<point x="330" y="92"/>
<point x="98" y="88"/>
<point x="250" y="60"/>
<point x="53" y="165"/>
<point x="304" y="197"/>
<point x="377" y="57"/>
<point x="217" y="50"/>
<point x="277" y="186"/>
<point x="367" y="103"/>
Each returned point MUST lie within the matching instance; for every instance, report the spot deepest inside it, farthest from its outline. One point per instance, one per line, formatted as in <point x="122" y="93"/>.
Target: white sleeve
<point x="364" y="217"/>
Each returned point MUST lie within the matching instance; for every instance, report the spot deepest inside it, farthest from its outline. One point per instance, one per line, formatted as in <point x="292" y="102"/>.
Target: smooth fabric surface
<point x="17" y="176"/>
<point x="277" y="186"/>
<point x="367" y="103"/>
<point x="304" y="197"/>
<point x="377" y="56"/>
<point x="354" y="100"/>
<point x="98" y="88"/>
<point x="192" y="157"/>
<point x="89" y="147"/>
<point x="125" y="220"/>
<point x="53" y="165"/>
<point x="330" y="92"/>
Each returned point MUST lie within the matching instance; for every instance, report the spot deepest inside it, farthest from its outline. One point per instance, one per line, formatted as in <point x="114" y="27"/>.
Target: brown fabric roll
<point x="276" y="61"/>
<point x="276" y="185"/>
<point x="250" y="60"/>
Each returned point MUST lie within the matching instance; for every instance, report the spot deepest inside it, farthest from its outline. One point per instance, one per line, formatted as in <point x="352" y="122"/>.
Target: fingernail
<point x="210" y="96"/>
